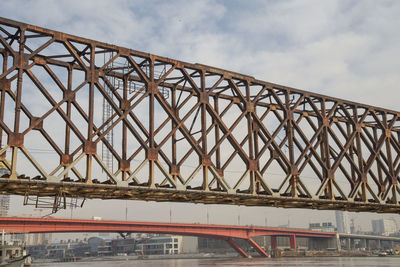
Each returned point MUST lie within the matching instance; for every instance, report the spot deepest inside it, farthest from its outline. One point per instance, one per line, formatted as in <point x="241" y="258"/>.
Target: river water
<point x="237" y="262"/>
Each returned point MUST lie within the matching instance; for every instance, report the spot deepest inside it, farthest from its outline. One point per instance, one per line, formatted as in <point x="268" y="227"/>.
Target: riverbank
<point x="284" y="254"/>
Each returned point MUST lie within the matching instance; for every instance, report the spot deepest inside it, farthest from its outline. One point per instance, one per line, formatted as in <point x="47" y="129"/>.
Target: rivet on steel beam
<point x="220" y="172"/>
<point x="59" y="36"/>
<point x="5" y="84"/>
<point x="152" y="88"/>
<point x="35" y="124"/>
<point x="124" y="165"/>
<point x="206" y="160"/>
<point x="15" y="139"/>
<point x="66" y="159"/>
<point x="123" y="51"/>
<point x="125" y="104"/>
<point x="274" y="154"/>
<point x="252" y="165"/>
<point x="325" y="122"/>
<point x="249" y="106"/>
<point x="69" y="95"/>
<point x="90" y="148"/>
<point x="331" y="174"/>
<point x="152" y="154"/>
<point x="236" y="100"/>
<point x="364" y="177"/>
<point x="92" y="76"/>
<point x="294" y="171"/>
<point x="203" y="98"/>
<point x="21" y="60"/>
<point x="174" y="170"/>
<point x="388" y="133"/>
<point x="290" y="115"/>
<point x="383" y="188"/>
<point x="178" y="64"/>
<point x="255" y="126"/>
<point x="39" y="61"/>
<point x="227" y="76"/>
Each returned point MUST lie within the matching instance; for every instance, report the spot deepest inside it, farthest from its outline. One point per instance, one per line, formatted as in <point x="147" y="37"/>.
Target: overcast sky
<point x="345" y="49"/>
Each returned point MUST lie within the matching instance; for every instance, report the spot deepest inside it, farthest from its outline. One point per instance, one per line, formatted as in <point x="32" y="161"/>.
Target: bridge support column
<point x="257" y="247"/>
<point x="363" y="243"/>
<point x="274" y="242"/>
<point x="348" y="247"/>
<point x="352" y="244"/>
<point x="292" y="241"/>
<point x="237" y="248"/>
<point x="378" y="244"/>
<point x="338" y="244"/>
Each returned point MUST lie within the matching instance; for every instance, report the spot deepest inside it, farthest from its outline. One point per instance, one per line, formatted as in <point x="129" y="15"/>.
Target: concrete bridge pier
<point x="323" y="243"/>
<point x="378" y="244"/>
<point x="363" y="243"/>
<point x="274" y="242"/>
<point x="292" y="242"/>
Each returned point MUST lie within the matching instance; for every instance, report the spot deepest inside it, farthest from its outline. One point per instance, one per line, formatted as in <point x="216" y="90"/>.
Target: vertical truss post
<point x="325" y="151"/>
<point x="290" y="136"/>
<point x="363" y="178"/>
<point x="152" y="87"/>
<point x="216" y="136"/>
<point x="124" y="134"/>
<point x="252" y="165"/>
<point x="67" y="127"/>
<point x="352" y="151"/>
<point x="205" y="159"/>
<point x="20" y="66"/>
<point x="3" y="95"/>
<point x="174" y="168"/>
<point x="90" y="146"/>
<point x="382" y="188"/>
<point x="393" y="179"/>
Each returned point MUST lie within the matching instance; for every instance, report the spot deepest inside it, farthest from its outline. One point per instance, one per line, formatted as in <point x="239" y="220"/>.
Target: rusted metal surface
<point x="182" y="132"/>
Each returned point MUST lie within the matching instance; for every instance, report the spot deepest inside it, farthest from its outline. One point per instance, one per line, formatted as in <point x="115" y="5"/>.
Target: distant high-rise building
<point x="384" y="227"/>
<point x="34" y="239"/>
<point x="4" y="199"/>
<point x="342" y="222"/>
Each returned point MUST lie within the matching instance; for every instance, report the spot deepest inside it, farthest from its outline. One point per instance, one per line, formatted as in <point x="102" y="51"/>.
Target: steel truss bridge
<point x="181" y="132"/>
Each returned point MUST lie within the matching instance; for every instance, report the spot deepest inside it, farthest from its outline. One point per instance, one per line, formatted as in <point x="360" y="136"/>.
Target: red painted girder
<point x="35" y="225"/>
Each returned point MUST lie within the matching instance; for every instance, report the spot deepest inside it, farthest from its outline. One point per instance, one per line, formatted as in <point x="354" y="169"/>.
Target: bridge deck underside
<point x="65" y="190"/>
<point x="181" y="131"/>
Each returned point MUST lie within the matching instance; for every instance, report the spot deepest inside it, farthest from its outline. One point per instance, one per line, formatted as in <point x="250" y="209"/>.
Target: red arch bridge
<point x="225" y="232"/>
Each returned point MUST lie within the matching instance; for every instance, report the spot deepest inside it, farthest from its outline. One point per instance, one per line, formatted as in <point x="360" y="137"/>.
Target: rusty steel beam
<point x="185" y="132"/>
